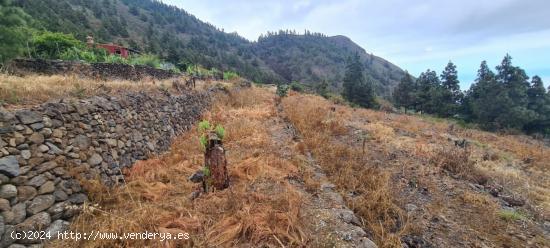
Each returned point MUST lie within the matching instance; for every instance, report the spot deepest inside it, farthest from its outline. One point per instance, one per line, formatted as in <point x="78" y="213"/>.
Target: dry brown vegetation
<point x="412" y="163"/>
<point x="17" y="91"/>
<point x="259" y="208"/>
<point x="402" y="175"/>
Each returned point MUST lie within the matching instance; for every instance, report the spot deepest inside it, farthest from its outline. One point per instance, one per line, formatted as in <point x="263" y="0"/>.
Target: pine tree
<point x="357" y="89"/>
<point x="512" y="99"/>
<point x="429" y="92"/>
<point x="404" y="95"/>
<point x="538" y="102"/>
<point x="452" y="96"/>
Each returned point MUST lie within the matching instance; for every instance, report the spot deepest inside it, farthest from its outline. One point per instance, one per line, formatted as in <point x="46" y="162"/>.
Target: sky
<point x="413" y="34"/>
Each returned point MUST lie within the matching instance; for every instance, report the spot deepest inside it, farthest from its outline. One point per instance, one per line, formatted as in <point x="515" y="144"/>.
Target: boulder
<point x="95" y="159"/>
<point x="8" y="191"/>
<point x="56" y="227"/>
<point x="4" y="206"/>
<point x="37" y="181"/>
<point x="39" y="221"/>
<point x="19" y="212"/>
<point x="9" y="166"/>
<point x="46" y="188"/>
<point x="40" y="203"/>
<point x="26" y="193"/>
<point x="28" y="116"/>
<point x="82" y="142"/>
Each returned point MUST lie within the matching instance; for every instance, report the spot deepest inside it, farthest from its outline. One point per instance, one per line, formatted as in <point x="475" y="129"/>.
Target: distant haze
<point x="415" y="35"/>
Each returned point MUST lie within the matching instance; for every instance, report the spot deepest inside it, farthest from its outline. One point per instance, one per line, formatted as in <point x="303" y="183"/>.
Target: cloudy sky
<point x="413" y="34"/>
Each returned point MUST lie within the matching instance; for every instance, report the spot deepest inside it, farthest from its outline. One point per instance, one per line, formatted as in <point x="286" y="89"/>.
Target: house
<point x="112" y="48"/>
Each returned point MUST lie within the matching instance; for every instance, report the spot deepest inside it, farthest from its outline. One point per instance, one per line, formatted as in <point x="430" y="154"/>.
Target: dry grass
<point x="259" y="209"/>
<point x="18" y="91"/>
<point x="348" y="167"/>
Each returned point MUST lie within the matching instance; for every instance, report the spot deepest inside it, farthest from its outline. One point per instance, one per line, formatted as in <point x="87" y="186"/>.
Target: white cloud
<point x="415" y="35"/>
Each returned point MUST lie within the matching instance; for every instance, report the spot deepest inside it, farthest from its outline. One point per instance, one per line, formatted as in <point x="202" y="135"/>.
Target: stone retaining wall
<point x="93" y="70"/>
<point x="98" y="136"/>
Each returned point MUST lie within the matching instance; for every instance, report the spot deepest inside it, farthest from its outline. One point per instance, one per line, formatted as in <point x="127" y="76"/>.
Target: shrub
<point x="51" y="45"/>
<point x="282" y="90"/>
<point x="146" y="59"/>
<point x="296" y="86"/>
<point x="115" y="59"/>
<point x="229" y="75"/>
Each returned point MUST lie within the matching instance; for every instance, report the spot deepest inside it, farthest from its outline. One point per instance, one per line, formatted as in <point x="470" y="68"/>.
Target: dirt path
<point x="325" y="212"/>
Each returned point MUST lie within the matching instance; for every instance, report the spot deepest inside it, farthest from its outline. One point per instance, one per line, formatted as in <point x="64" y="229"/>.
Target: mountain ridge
<point x="182" y="38"/>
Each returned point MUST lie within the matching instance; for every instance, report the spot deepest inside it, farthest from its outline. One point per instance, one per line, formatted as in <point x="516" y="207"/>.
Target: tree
<point x="429" y="92"/>
<point x="538" y="102"/>
<point x="513" y="97"/>
<point x="357" y="89"/>
<point x="452" y="96"/>
<point x="13" y="31"/>
<point x="404" y="95"/>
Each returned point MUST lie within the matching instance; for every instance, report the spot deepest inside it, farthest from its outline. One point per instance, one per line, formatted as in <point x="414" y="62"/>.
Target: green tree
<point x="51" y="45"/>
<point x="429" y="93"/>
<point x="479" y="103"/>
<point x="404" y="95"/>
<point x="538" y="102"/>
<point x="357" y="89"/>
<point x="452" y="96"/>
<point x="513" y="97"/>
<point x="13" y="31"/>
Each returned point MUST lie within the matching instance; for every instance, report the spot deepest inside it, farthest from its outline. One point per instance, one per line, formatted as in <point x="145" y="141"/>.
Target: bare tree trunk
<point x="216" y="164"/>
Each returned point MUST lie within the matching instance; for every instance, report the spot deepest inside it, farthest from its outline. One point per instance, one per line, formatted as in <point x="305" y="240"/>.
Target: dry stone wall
<point x="40" y="147"/>
<point x="93" y="70"/>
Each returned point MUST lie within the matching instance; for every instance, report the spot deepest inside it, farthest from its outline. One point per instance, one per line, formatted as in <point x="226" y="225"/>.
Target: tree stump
<point x="217" y="176"/>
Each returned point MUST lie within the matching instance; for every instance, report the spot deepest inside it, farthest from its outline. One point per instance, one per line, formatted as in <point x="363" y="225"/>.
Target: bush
<point x="146" y="59"/>
<point x="282" y="90"/>
<point x="115" y="59"/>
<point x="230" y="75"/>
<point x="51" y="45"/>
<point x="85" y="54"/>
<point x="296" y="86"/>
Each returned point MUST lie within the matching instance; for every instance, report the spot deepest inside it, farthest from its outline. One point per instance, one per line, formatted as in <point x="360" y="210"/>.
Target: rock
<point x="17" y="246"/>
<point x="47" y="188"/>
<point x="9" y="217"/>
<point x="136" y="136"/>
<point x="60" y="195"/>
<point x="8" y="191"/>
<point x="78" y="198"/>
<point x="6" y="239"/>
<point x="4" y="179"/>
<point x="95" y="159"/>
<point x="4" y="206"/>
<point x="26" y="193"/>
<point x="513" y="201"/>
<point x="411" y="207"/>
<point x="37" y="222"/>
<point x="26" y="154"/>
<point x="37" y="181"/>
<point x="111" y="142"/>
<point x="54" y="149"/>
<point x="3" y="143"/>
<point x="46" y="167"/>
<point x="366" y="243"/>
<point x="2" y="225"/>
<point x="43" y="148"/>
<point x="57" y="133"/>
<point x="19" y="212"/>
<point x="28" y="117"/>
<point x="40" y="203"/>
<point x="56" y="227"/>
<point x="197" y="177"/>
<point x="37" y="138"/>
<point x="37" y="126"/>
<point x="82" y="142"/>
<point x="9" y="166"/>
<point x="347" y="216"/>
<point x="56" y="211"/>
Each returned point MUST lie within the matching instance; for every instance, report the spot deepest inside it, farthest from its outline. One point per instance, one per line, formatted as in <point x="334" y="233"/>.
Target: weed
<point x="511" y="215"/>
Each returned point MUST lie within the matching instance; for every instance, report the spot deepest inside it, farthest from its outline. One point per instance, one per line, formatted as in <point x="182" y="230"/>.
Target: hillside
<point x="315" y="58"/>
<point x="181" y="38"/>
